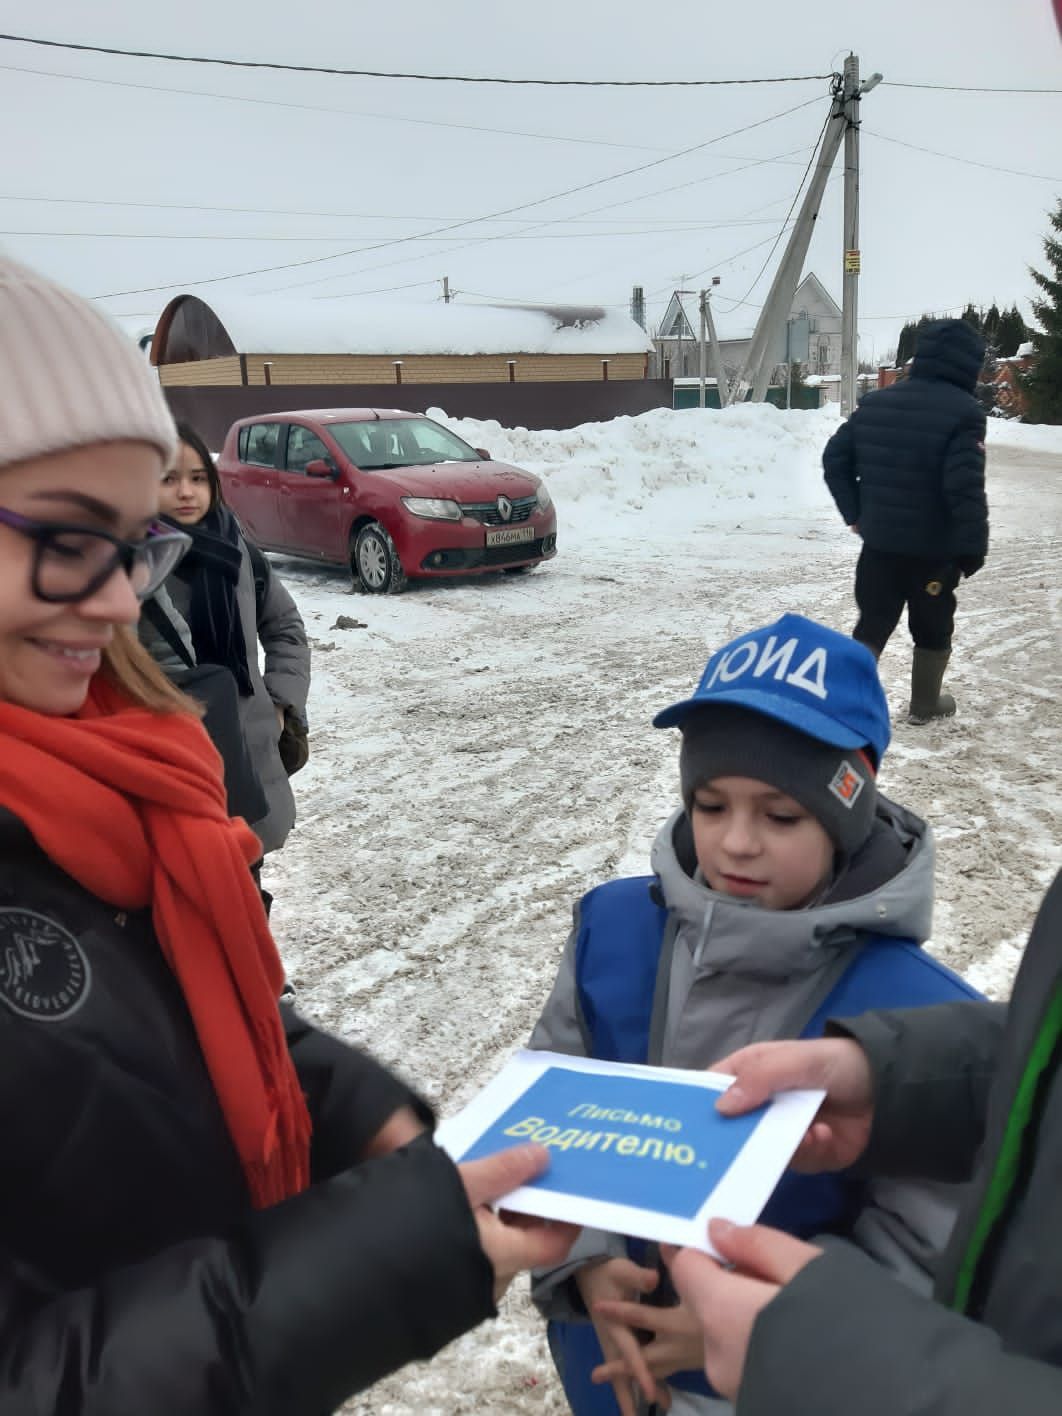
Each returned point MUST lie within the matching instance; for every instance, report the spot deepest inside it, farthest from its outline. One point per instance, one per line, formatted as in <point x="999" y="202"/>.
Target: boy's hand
<point x="728" y="1302"/>
<point x="619" y="1280"/>
<point x="677" y="1343"/>
<point x="838" y="1136"/>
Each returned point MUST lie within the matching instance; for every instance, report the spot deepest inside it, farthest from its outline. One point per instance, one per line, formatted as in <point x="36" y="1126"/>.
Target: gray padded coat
<point x="284" y="682"/>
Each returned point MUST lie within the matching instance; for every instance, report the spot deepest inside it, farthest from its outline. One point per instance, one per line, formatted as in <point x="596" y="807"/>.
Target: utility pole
<point x="853" y="92"/>
<point x="446" y="289"/>
<point x="708" y="328"/>
<point x="778" y="305"/>
<point x="703" y="300"/>
<point x="779" y="302"/>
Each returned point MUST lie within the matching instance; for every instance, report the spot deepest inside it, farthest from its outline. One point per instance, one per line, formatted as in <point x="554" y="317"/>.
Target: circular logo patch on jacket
<point x="43" y="971"/>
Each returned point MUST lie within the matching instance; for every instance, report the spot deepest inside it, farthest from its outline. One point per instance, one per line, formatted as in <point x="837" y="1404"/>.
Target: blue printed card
<point x="635" y="1150"/>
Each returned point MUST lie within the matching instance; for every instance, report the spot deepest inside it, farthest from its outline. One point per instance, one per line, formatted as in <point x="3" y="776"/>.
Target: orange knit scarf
<point x="131" y="804"/>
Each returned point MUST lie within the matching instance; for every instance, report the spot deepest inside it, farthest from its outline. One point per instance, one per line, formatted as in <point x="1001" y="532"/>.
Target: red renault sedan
<point x="392" y="495"/>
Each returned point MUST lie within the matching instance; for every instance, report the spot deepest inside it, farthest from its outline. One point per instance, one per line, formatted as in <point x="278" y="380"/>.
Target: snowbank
<point x="665" y="474"/>
<point x="1030" y="437"/>
<point x="676" y="470"/>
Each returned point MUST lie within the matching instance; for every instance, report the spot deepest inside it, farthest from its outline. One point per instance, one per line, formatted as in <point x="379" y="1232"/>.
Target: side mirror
<point x="484" y="454"/>
<point x="319" y="467"/>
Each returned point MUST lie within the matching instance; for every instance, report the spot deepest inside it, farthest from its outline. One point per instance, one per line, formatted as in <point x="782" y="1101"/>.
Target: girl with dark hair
<point x="226" y="594"/>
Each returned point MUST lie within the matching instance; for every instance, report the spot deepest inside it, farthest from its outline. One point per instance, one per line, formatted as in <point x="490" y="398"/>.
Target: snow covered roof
<point x="1024" y="350"/>
<point x="267" y="325"/>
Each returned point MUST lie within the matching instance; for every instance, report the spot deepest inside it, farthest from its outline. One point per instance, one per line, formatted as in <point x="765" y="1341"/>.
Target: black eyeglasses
<point x="71" y="563"/>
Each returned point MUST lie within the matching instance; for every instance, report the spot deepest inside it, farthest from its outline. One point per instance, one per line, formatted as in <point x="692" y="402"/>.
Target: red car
<point x="392" y="495"/>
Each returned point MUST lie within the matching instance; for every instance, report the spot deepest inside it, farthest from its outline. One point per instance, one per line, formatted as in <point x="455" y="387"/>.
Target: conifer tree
<point x="1043" y="383"/>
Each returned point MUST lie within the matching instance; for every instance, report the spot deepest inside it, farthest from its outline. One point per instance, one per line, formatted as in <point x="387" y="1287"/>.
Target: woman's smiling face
<point x="49" y="652"/>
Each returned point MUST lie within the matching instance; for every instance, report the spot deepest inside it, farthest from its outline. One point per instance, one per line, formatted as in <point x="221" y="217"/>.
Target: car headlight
<point x="545" y="501"/>
<point x="433" y="508"/>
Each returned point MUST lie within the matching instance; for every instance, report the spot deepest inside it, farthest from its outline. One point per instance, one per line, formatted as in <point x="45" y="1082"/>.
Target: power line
<point x="470" y="221"/>
<point x="781" y="160"/>
<point x="381" y="74"/>
<point x="597" y="271"/>
<point x="502" y="236"/>
<point x="320" y="108"/>
<point x="967" y="88"/>
<point x="789" y="213"/>
<point x="538" y="226"/>
<point x="953" y="157"/>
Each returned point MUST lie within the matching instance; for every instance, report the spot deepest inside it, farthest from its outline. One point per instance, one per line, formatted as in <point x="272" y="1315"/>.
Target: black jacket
<point x="908" y="467"/>
<point x="947" y="1082"/>
<point x="134" y="1276"/>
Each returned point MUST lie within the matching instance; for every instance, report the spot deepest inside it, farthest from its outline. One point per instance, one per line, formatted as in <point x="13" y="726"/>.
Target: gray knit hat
<point x="836" y="784"/>
<point x="68" y="377"/>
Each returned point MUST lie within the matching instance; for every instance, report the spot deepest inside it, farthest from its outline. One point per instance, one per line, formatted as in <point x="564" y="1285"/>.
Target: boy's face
<point x="755" y="843"/>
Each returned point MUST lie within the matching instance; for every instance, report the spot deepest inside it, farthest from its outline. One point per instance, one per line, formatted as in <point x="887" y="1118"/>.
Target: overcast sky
<point x="112" y="181"/>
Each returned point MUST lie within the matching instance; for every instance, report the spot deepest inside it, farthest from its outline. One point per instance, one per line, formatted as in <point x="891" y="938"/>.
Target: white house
<point x="677" y="341"/>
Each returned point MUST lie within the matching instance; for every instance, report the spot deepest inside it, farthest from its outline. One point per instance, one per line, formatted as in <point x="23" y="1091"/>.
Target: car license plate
<point x="510" y="535"/>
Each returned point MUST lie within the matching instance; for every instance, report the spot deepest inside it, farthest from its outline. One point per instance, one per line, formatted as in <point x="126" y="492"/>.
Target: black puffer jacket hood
<point x="951" y="350"/>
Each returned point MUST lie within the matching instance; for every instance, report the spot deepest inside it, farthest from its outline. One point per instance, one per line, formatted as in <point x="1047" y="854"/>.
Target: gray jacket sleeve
<point x="287" y="652"/>
<point x="561" y="1029"/>
<point x="905" y="1225"/>
<point x="843" y="1337"/>
<point x="933" y="1068"/>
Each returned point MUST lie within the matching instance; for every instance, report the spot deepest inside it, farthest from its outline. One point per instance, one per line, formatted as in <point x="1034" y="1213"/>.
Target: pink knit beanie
<point x="68" y="377"/>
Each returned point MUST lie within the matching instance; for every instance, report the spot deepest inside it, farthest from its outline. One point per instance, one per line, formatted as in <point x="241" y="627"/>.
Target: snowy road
<point x="481" y="754"/>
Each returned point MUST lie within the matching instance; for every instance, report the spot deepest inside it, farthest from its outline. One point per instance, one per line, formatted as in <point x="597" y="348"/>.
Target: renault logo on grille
<point x="505" y="508"/>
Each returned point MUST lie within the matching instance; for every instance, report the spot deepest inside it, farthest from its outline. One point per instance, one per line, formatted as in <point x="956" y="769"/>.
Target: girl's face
<point x="186" y="492"/>
<point x="49" y="653"/>
<point x="755" y="843"/>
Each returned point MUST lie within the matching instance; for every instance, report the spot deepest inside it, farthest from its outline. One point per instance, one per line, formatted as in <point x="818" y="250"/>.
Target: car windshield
<point x="400" y="442"/>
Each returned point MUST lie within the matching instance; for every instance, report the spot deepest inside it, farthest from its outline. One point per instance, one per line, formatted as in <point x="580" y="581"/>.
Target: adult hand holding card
<point x="635" y="1150"/>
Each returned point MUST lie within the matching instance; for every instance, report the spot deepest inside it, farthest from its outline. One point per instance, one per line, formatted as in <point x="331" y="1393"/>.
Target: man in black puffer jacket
<point x="907" y="471"/>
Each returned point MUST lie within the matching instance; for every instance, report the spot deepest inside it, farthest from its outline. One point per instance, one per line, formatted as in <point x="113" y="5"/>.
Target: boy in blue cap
<point x="785" y="889"/>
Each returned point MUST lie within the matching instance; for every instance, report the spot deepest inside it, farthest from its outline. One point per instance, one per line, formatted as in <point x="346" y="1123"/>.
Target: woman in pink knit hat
<point x="206" y="1205"/>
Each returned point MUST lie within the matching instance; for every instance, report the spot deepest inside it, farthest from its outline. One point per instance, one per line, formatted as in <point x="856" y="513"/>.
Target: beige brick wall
<point x="201" y="372"/>
<point x="289" y="369"/>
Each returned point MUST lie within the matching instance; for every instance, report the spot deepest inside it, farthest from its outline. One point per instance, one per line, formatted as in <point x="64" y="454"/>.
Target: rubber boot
<point x="927" y="674"/>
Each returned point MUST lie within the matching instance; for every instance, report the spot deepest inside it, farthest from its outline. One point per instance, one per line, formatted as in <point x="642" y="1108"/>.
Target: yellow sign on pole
<point x="851" y="262"/>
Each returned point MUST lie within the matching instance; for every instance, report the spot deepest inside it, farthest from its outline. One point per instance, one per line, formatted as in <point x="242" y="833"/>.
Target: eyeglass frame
<point x="125" y="552"/>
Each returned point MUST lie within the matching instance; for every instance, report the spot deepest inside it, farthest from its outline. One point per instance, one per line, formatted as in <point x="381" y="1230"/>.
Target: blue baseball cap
<point x="799" y="672"/>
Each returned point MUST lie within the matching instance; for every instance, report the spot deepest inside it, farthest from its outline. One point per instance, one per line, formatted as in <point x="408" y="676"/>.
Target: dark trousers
<point x="885" y="583"/>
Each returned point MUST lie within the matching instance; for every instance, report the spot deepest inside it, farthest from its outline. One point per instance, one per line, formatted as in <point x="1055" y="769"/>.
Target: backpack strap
<point x="160" y="620"/>
<point x="260" y="572"/>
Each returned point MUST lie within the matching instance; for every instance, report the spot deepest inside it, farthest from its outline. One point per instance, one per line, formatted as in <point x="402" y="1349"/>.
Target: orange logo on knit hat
<point x="846" y="785"/>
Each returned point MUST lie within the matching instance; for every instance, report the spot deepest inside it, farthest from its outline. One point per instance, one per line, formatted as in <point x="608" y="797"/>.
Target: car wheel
<point x="374" y="562"/>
